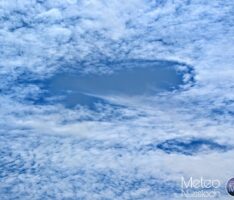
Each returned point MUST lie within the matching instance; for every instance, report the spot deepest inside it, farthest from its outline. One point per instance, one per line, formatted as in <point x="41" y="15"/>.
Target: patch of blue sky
<point x="128" y="78"/>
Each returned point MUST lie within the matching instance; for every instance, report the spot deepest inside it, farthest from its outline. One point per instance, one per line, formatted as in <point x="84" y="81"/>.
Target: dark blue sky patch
<point x="190" y="146"/>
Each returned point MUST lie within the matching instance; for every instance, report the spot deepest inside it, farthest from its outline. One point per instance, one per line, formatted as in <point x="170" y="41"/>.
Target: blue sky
<point x="82" y="116"/>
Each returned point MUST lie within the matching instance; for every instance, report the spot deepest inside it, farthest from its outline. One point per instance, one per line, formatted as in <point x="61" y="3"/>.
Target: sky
<point x="115" y="100"/>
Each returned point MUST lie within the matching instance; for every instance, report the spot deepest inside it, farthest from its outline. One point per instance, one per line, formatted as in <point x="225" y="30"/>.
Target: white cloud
<point x="39" y="38"/>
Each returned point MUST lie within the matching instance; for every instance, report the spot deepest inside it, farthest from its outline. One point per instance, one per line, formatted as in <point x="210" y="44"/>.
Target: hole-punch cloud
<point x="127" y="78"/>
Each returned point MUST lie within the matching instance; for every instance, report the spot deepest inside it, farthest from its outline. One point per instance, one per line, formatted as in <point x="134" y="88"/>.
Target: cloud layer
<point x="50" y="151"/>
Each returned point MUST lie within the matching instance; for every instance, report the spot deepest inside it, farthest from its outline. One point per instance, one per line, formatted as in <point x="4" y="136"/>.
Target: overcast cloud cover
<point x="131" y="148"/>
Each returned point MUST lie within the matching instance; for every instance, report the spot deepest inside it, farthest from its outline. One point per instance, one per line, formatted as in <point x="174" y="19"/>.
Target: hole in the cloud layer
<point x="191" y="146"/>
<point x="126" y="78"/>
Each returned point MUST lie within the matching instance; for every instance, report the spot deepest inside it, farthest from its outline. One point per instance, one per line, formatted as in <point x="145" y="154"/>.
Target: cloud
<point x="59" y="152"/>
